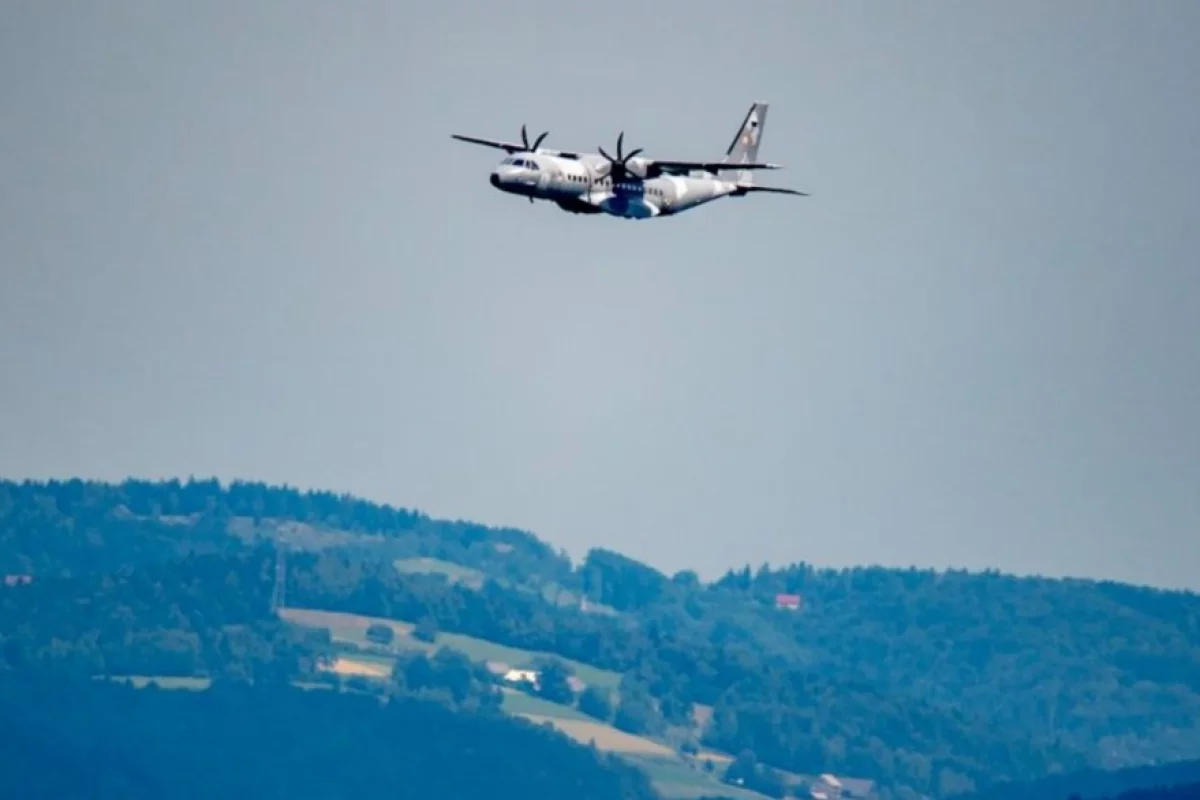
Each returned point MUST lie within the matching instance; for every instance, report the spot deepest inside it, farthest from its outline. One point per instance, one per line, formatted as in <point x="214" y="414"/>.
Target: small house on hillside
<point x="528" y="676"/>
<point x="788" y="602"/>
<point x="827" y="787"/>
<point x="858" y="789"/>
<point x="831" y="787"/>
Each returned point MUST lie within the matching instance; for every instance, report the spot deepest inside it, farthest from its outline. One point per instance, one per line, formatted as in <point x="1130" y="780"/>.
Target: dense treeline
<point x="1190" y="791"/>
<point x="99" y="740"/>
<point x="49" y="527"/>
<point x="449" y="677"/>
<point x="932" y="683"/>
<point x="621" y="582"/>
<point x="1097" y="669"/>
<point x="200" y="616"/>
<point x="1096" y="784"/>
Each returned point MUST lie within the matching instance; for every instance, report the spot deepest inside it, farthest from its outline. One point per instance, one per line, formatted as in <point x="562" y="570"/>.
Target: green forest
<point x="929" y="683"/>
<point x="268" y="740"/>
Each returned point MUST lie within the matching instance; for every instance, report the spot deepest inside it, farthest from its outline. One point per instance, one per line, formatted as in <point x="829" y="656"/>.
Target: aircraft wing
<point x="708" y="166"/>
<point x="509" y="147"/>
<point x="664" y="165"/>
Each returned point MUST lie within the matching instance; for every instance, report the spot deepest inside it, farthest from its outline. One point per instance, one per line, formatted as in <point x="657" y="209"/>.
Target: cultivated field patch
<point x="455" y="573"/>
<point x="362" y="667"/>
<point x="164" y="682"/>
<point x="677" y="779"/>
<point x="606" y="737"/>
<point x="517" y="702"/>
<point x="352" y="629"/>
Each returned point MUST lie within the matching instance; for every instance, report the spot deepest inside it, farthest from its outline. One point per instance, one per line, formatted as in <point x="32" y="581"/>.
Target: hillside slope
<point x="1097" y="784"/>
<point x="101" y="740"/>
<point x="927" y="682"/>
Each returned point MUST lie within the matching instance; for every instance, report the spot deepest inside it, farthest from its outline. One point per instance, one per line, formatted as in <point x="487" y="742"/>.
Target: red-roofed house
<point x="791" y="602"/>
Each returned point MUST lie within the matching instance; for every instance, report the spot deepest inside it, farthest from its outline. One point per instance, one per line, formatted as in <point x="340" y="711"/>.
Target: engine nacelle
<point x="643" y="168"/>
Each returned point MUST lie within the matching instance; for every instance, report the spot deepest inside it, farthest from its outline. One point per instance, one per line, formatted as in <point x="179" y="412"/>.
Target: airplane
<point x="628" y="185"/>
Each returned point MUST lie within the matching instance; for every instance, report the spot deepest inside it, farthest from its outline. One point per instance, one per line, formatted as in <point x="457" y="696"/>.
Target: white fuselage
<point x="582" y="186"/>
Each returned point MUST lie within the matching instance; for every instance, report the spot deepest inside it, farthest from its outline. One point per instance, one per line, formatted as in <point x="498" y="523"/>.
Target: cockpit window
<point x="520" y="162"/>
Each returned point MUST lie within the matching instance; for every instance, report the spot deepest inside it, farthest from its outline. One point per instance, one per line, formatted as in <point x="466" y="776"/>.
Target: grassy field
<point x="352" y="628"/>
<point x="201" y="684"/>
<point x="674" y="777"/>
<point x="362" y="666"/>
<point x="455" y="573"/>
<point x="517" y="702"/>
<point x="164" y="682"/>
<point x="606" y="737"/>
<point x="579" y="726"/>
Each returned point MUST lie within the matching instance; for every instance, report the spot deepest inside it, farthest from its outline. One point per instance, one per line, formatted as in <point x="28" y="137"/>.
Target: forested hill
<point x="1099" y="784"/>
<point x="107" y="741"/>
<point x="1189" y="791"/>
<point x="934" y="683"/>
<point x="162" y="519"/>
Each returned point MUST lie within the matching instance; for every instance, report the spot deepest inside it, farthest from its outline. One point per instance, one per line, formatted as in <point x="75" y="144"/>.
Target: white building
<point x="522" y="676"/>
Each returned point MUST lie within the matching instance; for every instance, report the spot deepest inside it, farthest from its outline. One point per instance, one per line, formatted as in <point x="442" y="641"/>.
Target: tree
<point x="620" y="581"/>
<point x="746" y="771"/>
<point x="637" y="712"/>
<point x="554" y="681"/>
<point x="381" y="634"/>
<point x="676" y="710"/>
<point x="596" y="702"/>
<point x="687" y="580"/>
<point x="741" y="769"/>
<point x="426" y="629"/>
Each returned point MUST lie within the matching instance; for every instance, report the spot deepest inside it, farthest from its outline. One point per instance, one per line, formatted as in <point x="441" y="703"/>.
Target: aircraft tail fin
<point x="744" y="147"/>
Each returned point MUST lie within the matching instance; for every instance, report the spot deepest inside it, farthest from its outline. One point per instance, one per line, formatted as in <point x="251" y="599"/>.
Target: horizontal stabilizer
<point x="746" y="189"/>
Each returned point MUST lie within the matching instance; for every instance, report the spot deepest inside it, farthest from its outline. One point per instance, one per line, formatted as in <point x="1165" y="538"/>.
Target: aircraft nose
<point x="495" y="180"/>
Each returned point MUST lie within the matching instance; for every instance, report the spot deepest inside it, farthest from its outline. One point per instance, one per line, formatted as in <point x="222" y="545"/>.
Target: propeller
<point x="536" y="142"/>
<point x="620" y="163"/>
<point x="531" y="148"/>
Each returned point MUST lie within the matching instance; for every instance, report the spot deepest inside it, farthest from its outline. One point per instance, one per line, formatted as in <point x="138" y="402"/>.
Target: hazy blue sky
<point x="237" y="240"/>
